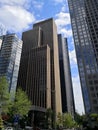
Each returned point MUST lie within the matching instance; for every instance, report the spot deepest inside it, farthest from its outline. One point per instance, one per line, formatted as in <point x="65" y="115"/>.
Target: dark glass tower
<point x="10" y="52"/>
<point x="84" y="19"/>
<point x="65" y="76"/>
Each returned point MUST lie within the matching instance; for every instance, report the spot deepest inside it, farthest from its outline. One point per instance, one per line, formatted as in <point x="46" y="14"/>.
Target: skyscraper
<point x="39" y="67"/>
<point x="10" y="52"/>
<point x="65" y="76"/>
<point x="84" y="19"/>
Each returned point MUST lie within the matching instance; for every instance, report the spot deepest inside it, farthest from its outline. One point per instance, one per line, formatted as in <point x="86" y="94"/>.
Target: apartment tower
<point x="39" y="67"/>
<point x="84" y="20"/>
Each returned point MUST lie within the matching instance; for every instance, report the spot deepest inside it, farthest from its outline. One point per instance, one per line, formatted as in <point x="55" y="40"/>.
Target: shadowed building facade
<point x="84" y="19"/>
<point x="39" y="89"/>
<point x="39" y="67"/>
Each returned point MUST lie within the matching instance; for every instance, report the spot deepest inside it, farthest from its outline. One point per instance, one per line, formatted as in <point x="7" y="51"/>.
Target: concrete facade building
<point x="65" y="76"/>
<point x="39" y="67"/>
<point x="84" y="19"/>
<point x="10" y="52"/>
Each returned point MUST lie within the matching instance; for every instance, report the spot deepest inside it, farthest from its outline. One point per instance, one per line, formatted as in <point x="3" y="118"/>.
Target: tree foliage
<point x="79" y="119"/>
<point x="48" y="118"/>
<point x="59" y="122"/>
<point x="1" y="123"/>
<point x="90" y="121"/>
<point x="65" y="120"/>
<point x="68" y="121"/>
<point x="21" y="104"/>
<point x="4" y="94"/>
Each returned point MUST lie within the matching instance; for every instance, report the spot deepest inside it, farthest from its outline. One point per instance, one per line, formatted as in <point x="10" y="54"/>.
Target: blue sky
<point x="20" y="15"/>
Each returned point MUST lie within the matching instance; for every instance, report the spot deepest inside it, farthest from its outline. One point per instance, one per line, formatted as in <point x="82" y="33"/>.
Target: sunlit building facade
<point x="10" y="53"/>
<point x="84" y="20"/>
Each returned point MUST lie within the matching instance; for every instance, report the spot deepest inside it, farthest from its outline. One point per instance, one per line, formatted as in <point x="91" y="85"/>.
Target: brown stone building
<point x="39" y="68"/>
<point x="38" y="77"/>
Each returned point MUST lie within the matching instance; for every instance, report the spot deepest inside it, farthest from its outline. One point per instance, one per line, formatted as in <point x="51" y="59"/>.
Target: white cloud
<point x="15" y="15"/>
<point x="65" y="6"/>
<point x="63" y="9"/>
<point x="2" y="29"/>
<point x="71" y="43"/>
<point x="62" y="20"/>
<point x="72" y="57"/>
<point x="12" y="1"/>
<point x="15" y="18"/>
<point x="58" y="1"/>
<point x="78" y="95"/>
<point x="37" y="5"/>
<point x="67" y="33"/>
<point x="23" y="3"/>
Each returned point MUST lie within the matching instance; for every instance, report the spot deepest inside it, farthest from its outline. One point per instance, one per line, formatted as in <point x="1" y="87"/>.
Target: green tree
<point x="68" y="121"/>
<point x="1" y="123"/>
<point x="48" y="116"/>
<point x="4" y="98"/>
<point x="4" y="95"/>
<point x="79" y="119"/>
<point x="59" y="122"/>
<point x="65" y="120"/>
<point x="21" y="105"/>
<point x="90" y="121"/>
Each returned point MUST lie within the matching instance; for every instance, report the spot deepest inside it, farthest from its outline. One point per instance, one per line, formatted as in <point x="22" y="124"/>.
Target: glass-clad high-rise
<point x="10" y="52"/>
<point x="84" y="20"/>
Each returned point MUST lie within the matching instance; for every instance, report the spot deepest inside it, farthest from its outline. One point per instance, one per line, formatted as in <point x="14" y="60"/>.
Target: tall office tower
<point x="84" y="19"/>
<point x="39" y="67"/>
<point x="10" y="53"/>
<point x="65" y="76"/>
